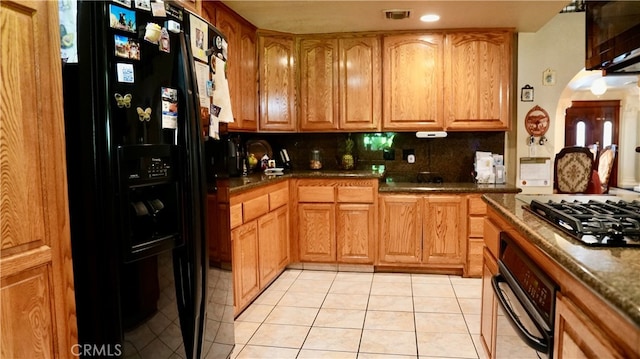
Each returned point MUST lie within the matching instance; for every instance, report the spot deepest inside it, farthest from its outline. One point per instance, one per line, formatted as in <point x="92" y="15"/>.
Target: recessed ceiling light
<point x="429" y="18"/>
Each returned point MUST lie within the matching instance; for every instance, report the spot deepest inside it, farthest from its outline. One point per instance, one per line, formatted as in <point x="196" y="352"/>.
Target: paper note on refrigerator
<point x="202" y="78"/>
<point x="221" y="97"/>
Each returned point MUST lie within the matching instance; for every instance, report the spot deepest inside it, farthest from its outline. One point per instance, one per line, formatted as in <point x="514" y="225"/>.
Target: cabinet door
<point x="577" y="336"/>
<point x="400" y="229"/>
<point x="413" y="82"/>
<point x="444" y="226"/>
<point x="228" y="24"/>
<point x="248" y="80"/>
<point x="489" y="305"/>
<point x="477" y="81"/>
<point x="316" y="232"/>
<point x="318" y="84"/>
<point x="268" y="251"/>
<point x="244" y="242"/>
<point x="360" y="83"/>
<point x="38" y="317"/>
<point x="282" y="217"/>
<point x="277" y="83"/>
<point x="356" y="230"/>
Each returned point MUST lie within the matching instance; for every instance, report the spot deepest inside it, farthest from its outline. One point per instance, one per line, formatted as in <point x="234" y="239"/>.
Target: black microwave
<point x="613" y="36"/>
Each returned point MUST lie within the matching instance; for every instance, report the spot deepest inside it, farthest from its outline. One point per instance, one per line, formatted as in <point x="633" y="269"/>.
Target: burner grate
<point x="594" y="223"/>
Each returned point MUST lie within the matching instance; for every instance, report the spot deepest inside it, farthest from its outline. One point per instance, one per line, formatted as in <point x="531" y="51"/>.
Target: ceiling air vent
<point x="397" y="14"/>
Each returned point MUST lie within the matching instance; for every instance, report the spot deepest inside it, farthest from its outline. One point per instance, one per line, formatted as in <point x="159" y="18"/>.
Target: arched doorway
<point x="597" y="123"/>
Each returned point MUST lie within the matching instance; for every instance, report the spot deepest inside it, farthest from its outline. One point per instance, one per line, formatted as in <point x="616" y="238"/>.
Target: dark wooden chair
<point x="573" y="170"/>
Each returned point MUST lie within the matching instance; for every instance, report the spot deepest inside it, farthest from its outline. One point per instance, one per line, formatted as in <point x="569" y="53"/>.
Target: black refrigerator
<point x="137" y="183"/>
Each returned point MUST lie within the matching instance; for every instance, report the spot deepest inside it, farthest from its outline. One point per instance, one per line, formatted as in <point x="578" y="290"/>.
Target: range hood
<point x="613" y="36"/>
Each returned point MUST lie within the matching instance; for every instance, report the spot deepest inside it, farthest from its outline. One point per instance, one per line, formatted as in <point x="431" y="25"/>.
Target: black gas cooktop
<point x="605" y="223"/>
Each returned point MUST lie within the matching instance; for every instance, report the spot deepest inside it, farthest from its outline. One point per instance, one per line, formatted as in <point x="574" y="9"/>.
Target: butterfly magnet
<point x="144" y="115"/>
<point x="123" y="101"/>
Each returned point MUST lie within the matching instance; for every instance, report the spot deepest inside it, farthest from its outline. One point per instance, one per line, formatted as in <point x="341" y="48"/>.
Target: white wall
<point x="560" y="46"/>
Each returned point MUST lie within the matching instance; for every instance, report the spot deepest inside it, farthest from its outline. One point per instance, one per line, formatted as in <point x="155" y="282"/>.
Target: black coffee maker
<point x="234" y="156"/>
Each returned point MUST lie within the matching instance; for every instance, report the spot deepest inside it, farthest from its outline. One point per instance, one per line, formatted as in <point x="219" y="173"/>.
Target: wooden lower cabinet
<point x="246" y="283"/>
<point x="489" y="305"/>
<point x="268" y="249"/>
<point x="577" y="336"/>
<point x="426" y="231"/>
<point x="477" y="210"/>
<point x="317" y="233"/>
<point x="336" y="221"/>
<point x="356" y="226"/>
<point x="273" y="244"/>
<point x="400" y="229"/>
<point x="38" y="315"/>
<point x="444" y="230"/>
<point x="282" y="239"/>
<point x="259" y="239"/>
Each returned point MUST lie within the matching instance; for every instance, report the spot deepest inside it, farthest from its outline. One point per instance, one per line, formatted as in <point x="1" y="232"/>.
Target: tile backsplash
<point x="450" y="157"/>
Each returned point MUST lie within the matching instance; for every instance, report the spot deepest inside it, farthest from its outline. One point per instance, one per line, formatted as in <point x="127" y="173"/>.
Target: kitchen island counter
<point x="611" y="273"/>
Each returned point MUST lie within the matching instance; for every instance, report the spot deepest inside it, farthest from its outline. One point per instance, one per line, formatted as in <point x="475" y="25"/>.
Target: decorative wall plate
<point x="537" y="121"/>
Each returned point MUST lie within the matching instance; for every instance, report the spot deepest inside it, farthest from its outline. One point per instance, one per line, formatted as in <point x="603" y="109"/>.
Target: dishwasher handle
<point x="539" y="344"/>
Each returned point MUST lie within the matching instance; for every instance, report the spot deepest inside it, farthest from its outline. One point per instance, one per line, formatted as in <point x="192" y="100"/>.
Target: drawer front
<point x="477" y="205"/>
<point x="278" y="198"/>
<point x="355" y="194"/>
<point x="235" y="215"/>
<point x="317" y="194"/>
<point x="476" y="227"/>
<point x="256" y="207"/>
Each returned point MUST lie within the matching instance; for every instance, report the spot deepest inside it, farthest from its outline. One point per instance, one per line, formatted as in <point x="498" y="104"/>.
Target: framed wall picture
<point x="526" y="94"/>
<point x="549" y="77"/>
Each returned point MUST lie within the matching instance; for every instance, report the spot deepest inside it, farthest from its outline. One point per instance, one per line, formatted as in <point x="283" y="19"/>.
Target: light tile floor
<point x="327" y="314"/>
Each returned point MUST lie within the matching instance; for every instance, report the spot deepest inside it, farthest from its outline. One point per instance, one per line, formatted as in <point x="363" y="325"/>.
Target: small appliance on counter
<point x="234" y="156"/>
<point x="286" y="160"/>
<point x="489" y="168"/>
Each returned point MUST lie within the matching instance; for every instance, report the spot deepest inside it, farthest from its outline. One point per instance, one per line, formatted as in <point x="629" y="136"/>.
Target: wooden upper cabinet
<point x="194" y="6"/>
<point x="277" y="83"/>
<point x="318" y="84"/>
<point x="248" y="92"/>
<point x="477" y="80"/>
<point x="242" y="67"/>
<point x="340" y="84"/>
<point x="38" y="317"/>
<point x="360" y="83"/>
<point x="413" y="82"/>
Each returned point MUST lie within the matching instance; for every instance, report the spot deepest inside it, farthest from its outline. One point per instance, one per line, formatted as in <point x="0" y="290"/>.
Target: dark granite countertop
<point x="458" y="187"/>
<point x="239" y="184"/>
<point x="612" y="273"/>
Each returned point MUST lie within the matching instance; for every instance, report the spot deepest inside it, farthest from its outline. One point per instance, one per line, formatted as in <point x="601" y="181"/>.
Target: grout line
<point x="367" y="310"/>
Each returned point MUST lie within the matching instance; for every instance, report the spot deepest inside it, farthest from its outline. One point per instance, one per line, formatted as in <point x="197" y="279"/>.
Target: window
<point x="607" y="134"/>
<point x="581" y="130"/>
